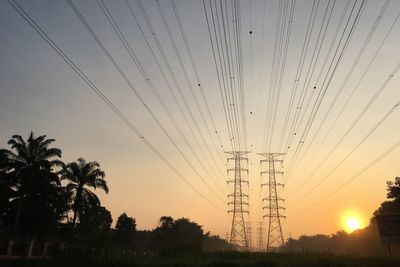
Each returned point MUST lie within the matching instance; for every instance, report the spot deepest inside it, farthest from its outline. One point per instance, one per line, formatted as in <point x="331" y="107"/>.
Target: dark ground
<point x="217" y="259"/>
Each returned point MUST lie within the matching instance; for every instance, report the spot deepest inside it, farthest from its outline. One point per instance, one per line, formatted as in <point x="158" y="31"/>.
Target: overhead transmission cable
<point x="177" y="86"/>
<point x="354" y="123"/>
<point x="237" y="33"/>
<point x="187" y="79"/>
<point x="219" y="71"/>
<point x="355" y="176"/>
<point x="170" y="70"/>
<point x="297" y="120"/>
<point x="326" y="83"/>
<point x="352" y="68"/>
<point x="294" y="128"/>
<point x="56" y="48"/>
<point x="172" y="74"/>
<point x="353" y="91"/>
<point x="154" y="90"/>
<point x="292" y="131"/>
<point x="234" y="81"/>
<point x="270" y="95"/>
<point x="139" y="97"/>
<point x="282" y="56"/>
<point x="220" y="37"/>
<point x="303" y="54"/>
<point x="195" y="71"/>
<point x="319" y="183"/>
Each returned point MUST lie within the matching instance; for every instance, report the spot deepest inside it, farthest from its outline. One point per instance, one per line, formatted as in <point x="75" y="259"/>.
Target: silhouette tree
<point x="81" y="175"/>
<point x="125" y="229"/>
<point x="181" y="235"/>
<point x="6" y="189"/>
<point x="94" y="226"/>
<point x="166" y="223"/>
<point x="393" y="189"/>
<point x="392" y="205"/>
<point x="213" y="243"/>
<point x="28" y="172"/>
<point x="97" y="217"/>
<point x="188" y="235"/>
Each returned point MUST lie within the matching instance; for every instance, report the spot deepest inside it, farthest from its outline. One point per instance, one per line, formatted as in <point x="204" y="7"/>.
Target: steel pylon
<point x="260" y="236"/>
<point x="275" y="234"/>
<point x="238" y="201"/>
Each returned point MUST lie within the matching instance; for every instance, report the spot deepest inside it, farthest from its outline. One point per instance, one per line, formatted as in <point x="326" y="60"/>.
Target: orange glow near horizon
<point x="352" y="221"/>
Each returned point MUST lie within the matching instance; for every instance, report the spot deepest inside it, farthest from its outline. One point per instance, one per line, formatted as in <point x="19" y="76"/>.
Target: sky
<point x="40" y="92"/>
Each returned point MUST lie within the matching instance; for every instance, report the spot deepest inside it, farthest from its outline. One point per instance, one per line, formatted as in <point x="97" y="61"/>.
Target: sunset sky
<point x="40" y="92"/>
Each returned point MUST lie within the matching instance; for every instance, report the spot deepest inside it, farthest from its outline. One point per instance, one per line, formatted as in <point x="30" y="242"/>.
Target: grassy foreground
<point x="217" y="259"/>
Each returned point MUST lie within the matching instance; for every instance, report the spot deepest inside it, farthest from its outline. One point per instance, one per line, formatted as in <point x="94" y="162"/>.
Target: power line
<point x="282" y="63"/>
<point x="348" y="155"/>
<point x="352" y="68"/>
<point x="219" y="71"/>
<point x="21" y="11"/>
<point x="187" y="79"/>
<point x="169" y="69"/>
<point x="220" y="39"/>
<point x="303" y="54"/>
<point x="339" y="114"/>
<point x="354" y="123"/>
<point x="327" y="81"/>
<point x="310" y="71"/>
<point x="192" y="62"/>
<point x="139" y="97"/>
<point x="154" y="90"/>
<point x="370" y="165"/>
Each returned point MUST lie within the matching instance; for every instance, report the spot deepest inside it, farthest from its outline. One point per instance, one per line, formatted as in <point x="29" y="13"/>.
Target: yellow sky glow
<point x="352" y="220"/>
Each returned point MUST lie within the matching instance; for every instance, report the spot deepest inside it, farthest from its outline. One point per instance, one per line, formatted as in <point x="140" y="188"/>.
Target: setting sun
<point x="352" y="224"/>
<point x="351" y="221"/>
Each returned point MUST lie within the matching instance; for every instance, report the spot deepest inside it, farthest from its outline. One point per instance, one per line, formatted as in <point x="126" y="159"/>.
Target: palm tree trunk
<point x="76" y="206"/>
<point x="18" y="215"/>
<point x="74" y="219"/>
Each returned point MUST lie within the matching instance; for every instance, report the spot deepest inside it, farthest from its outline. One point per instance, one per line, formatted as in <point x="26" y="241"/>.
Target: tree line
<point x="43" y="197"/>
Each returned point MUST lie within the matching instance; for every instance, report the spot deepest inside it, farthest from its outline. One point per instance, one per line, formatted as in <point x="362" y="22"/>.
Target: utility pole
<point x="275" y="235"/>
<point x="260" y="236"/>
<point x="238" y="201"/>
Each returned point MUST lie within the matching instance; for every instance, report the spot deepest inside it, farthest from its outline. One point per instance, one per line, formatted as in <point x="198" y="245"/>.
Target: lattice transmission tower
<point x="238" y="200"/>
<point x="260" y="236"/>
<point x="274" y="234"/>
<point x="249" y="234"/>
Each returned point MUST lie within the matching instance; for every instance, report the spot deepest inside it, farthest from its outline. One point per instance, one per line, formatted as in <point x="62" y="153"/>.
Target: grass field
<point x="218" y="259"/>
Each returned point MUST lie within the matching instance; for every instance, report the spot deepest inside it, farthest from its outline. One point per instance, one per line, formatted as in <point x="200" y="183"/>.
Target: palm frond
<point x="102" y="184"/>
<point x="47" y="142"/>
<point x="97" y="173"/>
<point x="18" y="139"/>
<point x="91" y="197"/>
<point x="58" y="163"/>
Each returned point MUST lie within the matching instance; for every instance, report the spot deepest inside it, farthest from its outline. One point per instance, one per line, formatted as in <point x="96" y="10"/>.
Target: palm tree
<point x="29" y="164"/>
<point x="81" y="175"/>
<point x="7" y="192"/>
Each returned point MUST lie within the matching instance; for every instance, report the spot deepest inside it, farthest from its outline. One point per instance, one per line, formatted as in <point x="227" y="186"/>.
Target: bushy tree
<point x="393" y="189"/>
<point x="214" y="243"/>
<point x="125" y="229"/>
<point x="392" y="205"/>
<point x="94" y="226"/>
<point x="181" y="235"/>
